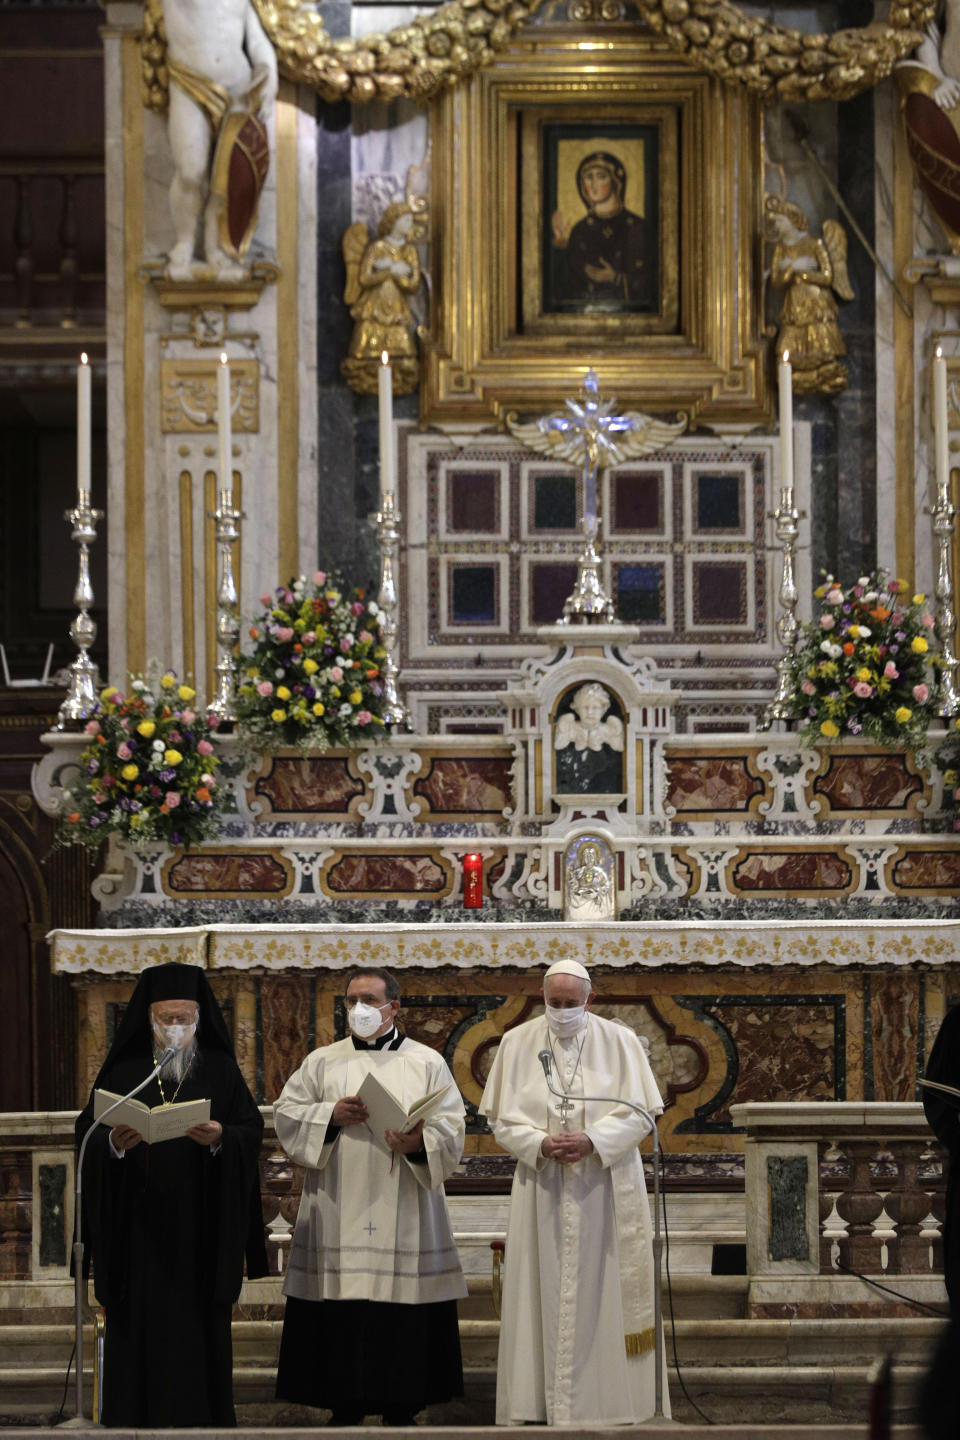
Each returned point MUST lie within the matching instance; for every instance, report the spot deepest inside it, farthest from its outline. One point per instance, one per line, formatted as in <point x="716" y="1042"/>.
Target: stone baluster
<point x="825" y="1199"/>
<point x="276" y="1176"/>
<point x="938" y="1203"/>
<point x="23" y="244"/>
<point x="859" y="1205"/>
<point x="16" y="1215"/>
<point x="907" y="1204"/>
<point x="69" y="236"/>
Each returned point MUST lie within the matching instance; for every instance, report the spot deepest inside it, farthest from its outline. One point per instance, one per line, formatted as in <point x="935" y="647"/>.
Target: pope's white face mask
<point x="179" y="1036"/>
<point x="566" y="1021"/>
<point x="365" y="1020"/>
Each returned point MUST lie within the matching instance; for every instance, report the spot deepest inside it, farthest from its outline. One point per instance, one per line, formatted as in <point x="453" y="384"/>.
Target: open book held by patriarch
<point x="163" y="1122"/>
<point x="384" y="1111"/>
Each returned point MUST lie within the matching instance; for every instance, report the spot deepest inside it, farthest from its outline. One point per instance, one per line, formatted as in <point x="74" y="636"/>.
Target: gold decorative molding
<point x="209" y="293"/>
<point x="188" y="396"/>
<point x="134" y="518"/>
<point x="436" y="50"/>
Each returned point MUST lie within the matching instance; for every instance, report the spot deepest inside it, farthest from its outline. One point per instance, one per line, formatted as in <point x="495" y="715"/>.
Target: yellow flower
<point x="863" y="673"/>
<point x="252" y="671"/>
<point x="146" y="729"/>
<point x="919" y="599"/>
<point x="829" y="667"/>
<point x="950" y="777"/>
<point x="310" y="667"/>
<point x="168" y="681"/>
<point x="354" y="697"/>
<point x="318" y="709"/>
<point x="820" y="591"/>
<point x="902" y="715"/>
<point x="854" y="632"/>
<point x="283" y="693"/>
<point x="278" y="716"/>
<point x="829" y="729"/>
<point x="186" y="693"/>
<point x="109" y="693"/>
<point x="129" y="772"/>
<point x="918" y="645"/>
<point x="172" y="757"/>
<point x="335" y="691"/>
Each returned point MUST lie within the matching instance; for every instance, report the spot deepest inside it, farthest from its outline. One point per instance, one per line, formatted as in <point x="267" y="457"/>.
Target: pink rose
<point x="264" y="688"/>
<point x="364" y="717"/>
<point x="356" y="608"/>
<point x="124" y="751"/>
<point x="309" y="637"/>
<point x="929" y="621"/>
<point x="891" y="671"/>
<point x="92" y="727"/>
<point x="364" y="637"/>
<point x="863" y="690"/>
<point x="920" y="693"/>
<point x="213" y="721"/>
<point x="172" y="799"/>
<point x="827" y="622"/>
<point x="336" y="674"/>
<point x="344" y="645"/>
<point x="188" y="717"/>
<point x="204" y="747"/>
<point x="283" y="633"/>
<point x="319" y="577"/>
<point x="834" y="597"/>
<point x="808" y="687"/>
<point x="266" y="601"/>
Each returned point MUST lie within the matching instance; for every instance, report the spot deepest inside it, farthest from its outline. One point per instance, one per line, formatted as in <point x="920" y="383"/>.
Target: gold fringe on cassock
<point x="641" y="1342"/>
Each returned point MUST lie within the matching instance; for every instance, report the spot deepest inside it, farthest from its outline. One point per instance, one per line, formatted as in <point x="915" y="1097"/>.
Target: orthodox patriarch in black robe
<point x="944" y="1117"/>
<point x="168" y="1225"/>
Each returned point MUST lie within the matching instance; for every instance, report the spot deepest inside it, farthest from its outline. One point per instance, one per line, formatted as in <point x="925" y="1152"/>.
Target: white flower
<point x="348" y="664"/>
<point x="159" y="746"/>
<point x="864" y="580"/>
<point x="871" y="597"/>
<point x="280" y="673"/>
<point x="138" y="685"/>
<point x="862" y="632"/>
<point x="827" y="647"/>
<point x="345" y="709"/>
<point x="206" y="780"/>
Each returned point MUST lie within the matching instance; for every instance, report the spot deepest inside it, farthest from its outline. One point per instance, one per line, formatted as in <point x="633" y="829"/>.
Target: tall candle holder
<point x="84" y="682"/>
<point x="942" y="514"/>
<point x="787" y="528"/>
<point x="387" y="522"/>
<point x="223" y="704"/>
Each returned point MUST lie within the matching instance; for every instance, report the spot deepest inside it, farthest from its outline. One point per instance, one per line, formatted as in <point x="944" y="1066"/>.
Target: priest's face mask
<point x="174" y="1022"/>
<point x="369" y="1012"/>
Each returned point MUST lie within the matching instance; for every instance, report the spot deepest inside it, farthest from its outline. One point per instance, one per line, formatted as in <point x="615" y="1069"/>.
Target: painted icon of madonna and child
<point x="606" y="259"/>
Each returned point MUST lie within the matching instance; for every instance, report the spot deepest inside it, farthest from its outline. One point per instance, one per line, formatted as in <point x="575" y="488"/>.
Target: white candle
<point x="84" y="376"/>
<point x="786" y="424"/>
<point x="224" y="429"/>
<point x="385" y="396"/>
<point x="941" y="428"/>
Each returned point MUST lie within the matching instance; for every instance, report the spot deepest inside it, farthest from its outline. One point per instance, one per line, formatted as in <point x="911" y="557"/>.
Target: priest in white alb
<point x="577" y="1325"/>
<point x="373" y="1278"/>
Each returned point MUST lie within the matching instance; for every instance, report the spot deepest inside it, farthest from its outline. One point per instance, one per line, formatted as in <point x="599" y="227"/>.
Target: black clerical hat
<point x="168" y="982"/>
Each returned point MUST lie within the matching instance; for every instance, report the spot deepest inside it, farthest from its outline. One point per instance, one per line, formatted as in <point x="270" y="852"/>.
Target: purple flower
<point x="175" y="837"/>
<point x="167" y="775"/>
<point x="854" y="726"/>
<point x="900" y="635"/>
<point x="93" y="767"/>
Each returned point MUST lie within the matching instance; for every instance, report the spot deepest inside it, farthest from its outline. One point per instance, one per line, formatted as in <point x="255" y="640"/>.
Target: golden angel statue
<point x="381" y="273"/>
<point x="809" y="270"/>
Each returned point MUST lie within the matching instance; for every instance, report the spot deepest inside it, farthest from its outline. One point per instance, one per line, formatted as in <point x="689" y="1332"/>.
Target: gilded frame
<point x="492" y="348"/>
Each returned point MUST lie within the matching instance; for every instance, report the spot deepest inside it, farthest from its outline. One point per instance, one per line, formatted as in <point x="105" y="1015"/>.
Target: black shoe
<point x="398" y="1417"/>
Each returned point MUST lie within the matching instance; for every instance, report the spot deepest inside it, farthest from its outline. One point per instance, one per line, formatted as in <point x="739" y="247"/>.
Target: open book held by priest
<point x="384" y="1111"/>
<point x="163" y="1122"/>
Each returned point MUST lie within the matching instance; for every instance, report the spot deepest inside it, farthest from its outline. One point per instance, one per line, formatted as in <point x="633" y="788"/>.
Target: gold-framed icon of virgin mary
<point x="596" y="202"/>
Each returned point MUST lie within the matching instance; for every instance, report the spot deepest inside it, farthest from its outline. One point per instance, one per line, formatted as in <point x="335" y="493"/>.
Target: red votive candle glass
<point x="472" y="882"/>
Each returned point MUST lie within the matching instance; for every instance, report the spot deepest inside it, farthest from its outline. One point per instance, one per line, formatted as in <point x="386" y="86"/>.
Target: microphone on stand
<point x="78" y="1246"/>
<point x="546" y="1060"/>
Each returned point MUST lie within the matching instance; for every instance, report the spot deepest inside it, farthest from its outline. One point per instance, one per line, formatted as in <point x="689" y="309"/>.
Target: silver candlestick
<point x="787" y="518"/>
<point x="84" y="683"/>
<point x="943" y="513"/>
<point x="387" y="521"/>
<point x="228" y="519"/>
<point x="588" y="602"/>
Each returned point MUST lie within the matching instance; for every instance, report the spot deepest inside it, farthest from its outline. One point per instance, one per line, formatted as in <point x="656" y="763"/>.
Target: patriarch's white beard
<point x="178" y="1065"/>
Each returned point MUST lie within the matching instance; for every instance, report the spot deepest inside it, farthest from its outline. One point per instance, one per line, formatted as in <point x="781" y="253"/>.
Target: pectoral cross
<point x="564" y="1108"/>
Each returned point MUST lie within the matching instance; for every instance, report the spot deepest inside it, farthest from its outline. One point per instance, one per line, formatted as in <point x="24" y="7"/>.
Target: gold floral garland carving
<point x="438" y="49"/>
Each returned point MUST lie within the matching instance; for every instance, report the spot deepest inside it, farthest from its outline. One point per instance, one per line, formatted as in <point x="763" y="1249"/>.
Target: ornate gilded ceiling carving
<point x="444" y="46"/>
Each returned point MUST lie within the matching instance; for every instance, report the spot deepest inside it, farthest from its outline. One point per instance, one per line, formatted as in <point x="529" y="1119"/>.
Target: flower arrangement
<point x="314" y="676"/>
<point x="148" y="771"/>
<point x="864" y="665"/>
<point x="947" y="759"/>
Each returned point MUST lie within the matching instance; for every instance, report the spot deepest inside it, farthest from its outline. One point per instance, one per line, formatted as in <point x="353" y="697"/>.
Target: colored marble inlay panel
<point x="472" y="595"/>
<point x="555" y="502"/>
<point x="638" y="501"/>
<point x="387" y="875"/>
<point x="935" y="871"/>
<point x="53" y="1209"/>
<point x="550" y="586"/>
<point x="220" y="873"/>
<point x="471" y="786"/>
<point x="787" y="1184"/>
<point x="711" y="783"/>
<point x="792" y="870"/>
<point x="718" y="503"/>
<point x="473" y="501"/>
<point x="894" y="1019"/>
<point x="308" y="785"/>
<point x="640" y="593"/>
<point x="719" y="592"/>
<point x="286" y="1020"/>
<point x="869" y="782"/>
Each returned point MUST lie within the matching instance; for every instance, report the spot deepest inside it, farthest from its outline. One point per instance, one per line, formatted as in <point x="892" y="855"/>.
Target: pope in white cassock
<point x="577" y="1328"/>
<point x="373" y="1279"/>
